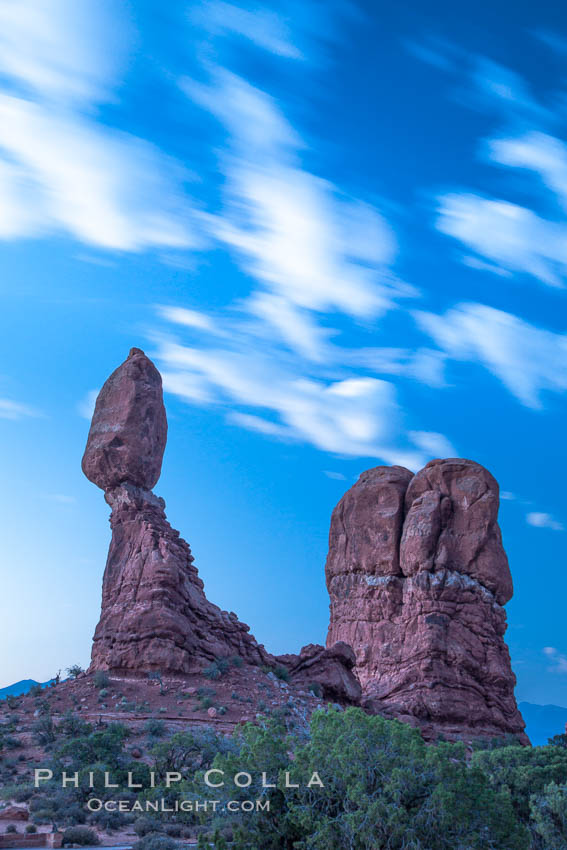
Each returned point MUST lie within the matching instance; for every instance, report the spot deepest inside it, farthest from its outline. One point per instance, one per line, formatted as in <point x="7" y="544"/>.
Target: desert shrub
<point x="175" y="830"/>
<point x="110" y="821"/>
<point x="222" y="709"/>
<point x="73" y="726"/>
<point x="236" y="661"/>
<point x="42" y="816"/>
<point x="11" y="828"/>
<point x="548" y="816"/>
<point x="212" y="672"/>
<point x="74" y="671"/>
<point x="8" y="742"/>
<point x="145" y="826"/>
<point x="156" y="841"/>
<point x="80" y="835"/>
<point x="31" y="828"/>
<point x="282" y="672"/>
<point x="382" y="787"/>
<point x="44" y="731"/>
<point x="35" y="690"/>
<point x="316" y="689"/>
<point x="101" y="680"/>
<point x="155" y="728"/>
<point x="522" y="771"/>
<point x="22" y="794"/>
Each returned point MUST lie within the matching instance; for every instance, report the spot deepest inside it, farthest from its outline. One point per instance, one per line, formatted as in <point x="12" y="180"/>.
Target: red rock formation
<point x="128" y="431"/>
<point x="155" y="615"/>
<point x="417" y="577"/>
<point x="329" y="668"/>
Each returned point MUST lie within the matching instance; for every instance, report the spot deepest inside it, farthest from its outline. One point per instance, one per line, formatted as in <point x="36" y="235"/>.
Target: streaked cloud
<point x="512" y="237"/>
<point x="260" y="25"/>
<point x="558" y="660"/>
<point x="527" y="359"/>
<point x="279" y="397"/>
<point x="10" y="409"/>
<point x="293" y="232"/>
<point x="105" y="188"/>
<point x="86" y="405"/>
<point x="543" y="520"/>
<point x="61" y="50"/>
<point x="334" y="476"/>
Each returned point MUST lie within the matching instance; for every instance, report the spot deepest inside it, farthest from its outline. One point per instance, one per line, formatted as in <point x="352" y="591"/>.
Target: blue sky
<point x="339" y="230"/>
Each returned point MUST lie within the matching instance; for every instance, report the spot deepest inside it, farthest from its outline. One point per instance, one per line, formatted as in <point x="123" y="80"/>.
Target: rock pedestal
<point x="418" y="578"/>
<point x="155" y="616"/>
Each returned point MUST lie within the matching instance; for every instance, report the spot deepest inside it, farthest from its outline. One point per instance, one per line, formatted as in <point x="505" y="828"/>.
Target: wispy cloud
<point x="527" y="359"/>
<point x="60" y="169"/>
<point x="506" y="237"/>
<point x="290" y="230"/>
<point x="543" y="520"/>
<point x="105" y="188"/>
<point x="61" y="50"/>
<point x="290" y="397"/>
<point x="10" y="409"/>
<point x="86" y="405"/>
<point x="260" y="25"/>
<point x="512" y="237"/>
<point x="60" y="498"/>
<point x="558" y="660"/>
<point x="334" y="476"/>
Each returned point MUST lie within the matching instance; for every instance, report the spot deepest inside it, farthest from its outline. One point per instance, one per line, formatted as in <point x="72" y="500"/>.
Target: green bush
<point x="31" y="828"/>
<point x="155" y="728"/>
<point x="548" y="812"/>
<point x="282" y="672"/>
<point x="44" y="731"/>
<point x="101" y="680"/>
<point x="156" y="841"/>
<point x="145" y="826"/>
<point x="11" y="828"/>
<point x="212" y="672"/>
<point x="383" y="787"/>
<point x="73" y="726"/>
<point x="522" y="771"/>
<point x="74" y="670"/>
<point x="80" y="835"/>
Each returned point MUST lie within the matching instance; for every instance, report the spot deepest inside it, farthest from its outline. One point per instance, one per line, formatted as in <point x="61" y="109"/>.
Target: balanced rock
<point x="155" y="616"/>
<point x="418" y="577"/>
<point x="128" y="431"/>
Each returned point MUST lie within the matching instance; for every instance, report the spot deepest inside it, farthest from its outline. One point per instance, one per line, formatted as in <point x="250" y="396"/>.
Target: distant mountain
<point x="20" y="688"/>
<point x="543" y="721"/>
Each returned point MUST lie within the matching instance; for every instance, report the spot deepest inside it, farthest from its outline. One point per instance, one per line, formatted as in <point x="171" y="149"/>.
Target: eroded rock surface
<point x="330" y="669"/>
<point x="418" y="577"/>
<point x="155" y="615"/>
